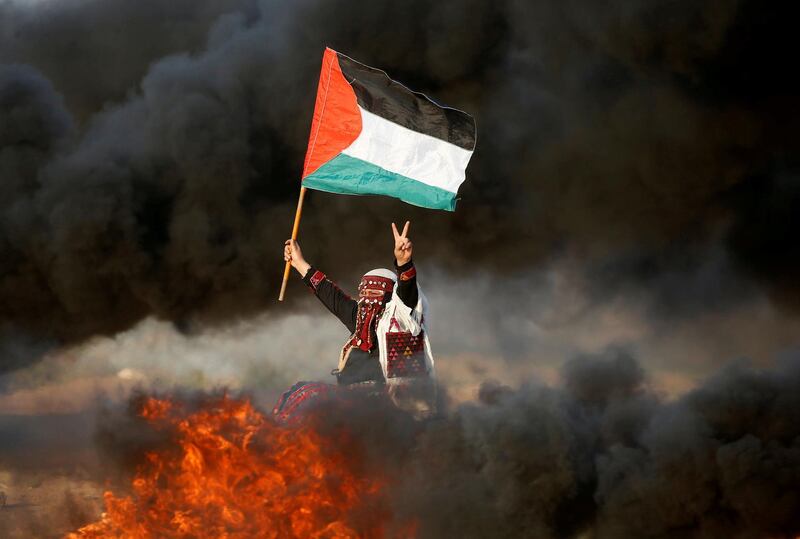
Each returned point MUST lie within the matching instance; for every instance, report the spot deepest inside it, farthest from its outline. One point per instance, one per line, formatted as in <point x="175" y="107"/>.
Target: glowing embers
<point x="234" y="473"/>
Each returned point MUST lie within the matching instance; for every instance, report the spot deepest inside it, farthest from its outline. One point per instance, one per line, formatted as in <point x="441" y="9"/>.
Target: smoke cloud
<point x="631" y="205"/>
<point x="150" y="168"/>
<point x="599" y="454"/>
<point x="604" y="456"/>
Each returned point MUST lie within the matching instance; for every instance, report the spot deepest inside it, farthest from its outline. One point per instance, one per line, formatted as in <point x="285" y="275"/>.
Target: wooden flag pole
<point x="295" y="227"/>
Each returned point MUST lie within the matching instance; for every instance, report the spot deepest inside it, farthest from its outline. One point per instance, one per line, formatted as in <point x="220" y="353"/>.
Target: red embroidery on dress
<point x="408" y="274"/>
<point x="405" y="354"/>
<point x="317" y="278"/>
<point x="366" y="320"/>
<point x="298" y="398"/>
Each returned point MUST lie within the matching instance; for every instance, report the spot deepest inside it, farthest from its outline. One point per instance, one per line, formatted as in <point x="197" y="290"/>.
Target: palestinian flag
<point x="373" y="136"/>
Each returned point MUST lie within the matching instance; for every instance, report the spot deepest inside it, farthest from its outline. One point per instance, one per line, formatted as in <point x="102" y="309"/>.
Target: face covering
<point x="374" y="291"/>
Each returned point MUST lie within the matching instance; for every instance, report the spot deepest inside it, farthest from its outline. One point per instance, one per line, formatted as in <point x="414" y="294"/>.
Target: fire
<point x="234" y="473"/>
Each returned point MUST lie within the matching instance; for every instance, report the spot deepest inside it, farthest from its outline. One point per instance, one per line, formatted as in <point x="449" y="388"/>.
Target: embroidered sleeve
<point x="336" y="301"/>
<point x="315" y="279"/>
<point x="408" y="274"/>
<point x="407" y="283"/>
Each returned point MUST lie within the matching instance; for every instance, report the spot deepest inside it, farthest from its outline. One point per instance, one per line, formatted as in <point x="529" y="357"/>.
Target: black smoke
<point x="601" y="454"/>
<point x="95" y="52"/>
<point x="605" y="456"/>
<point x="150" y="153"/>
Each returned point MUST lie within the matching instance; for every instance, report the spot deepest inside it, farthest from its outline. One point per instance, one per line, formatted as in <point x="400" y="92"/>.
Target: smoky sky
<point x="150" y="152"/>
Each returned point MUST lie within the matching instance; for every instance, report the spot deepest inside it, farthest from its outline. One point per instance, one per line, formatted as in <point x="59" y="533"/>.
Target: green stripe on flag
<point x="351" y="176"/>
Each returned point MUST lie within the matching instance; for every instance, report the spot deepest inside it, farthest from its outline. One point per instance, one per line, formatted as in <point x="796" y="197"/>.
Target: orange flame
<point x="236" y="474"/>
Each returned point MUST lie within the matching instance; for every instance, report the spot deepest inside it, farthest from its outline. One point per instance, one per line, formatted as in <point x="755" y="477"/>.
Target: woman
<point x="388" y="343"/>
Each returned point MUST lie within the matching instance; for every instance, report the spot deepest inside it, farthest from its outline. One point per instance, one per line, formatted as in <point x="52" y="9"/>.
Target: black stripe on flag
<point x="389" y="99"/>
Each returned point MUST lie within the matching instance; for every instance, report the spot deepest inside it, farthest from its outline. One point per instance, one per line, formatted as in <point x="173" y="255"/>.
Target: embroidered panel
<point x="405" y="355"/>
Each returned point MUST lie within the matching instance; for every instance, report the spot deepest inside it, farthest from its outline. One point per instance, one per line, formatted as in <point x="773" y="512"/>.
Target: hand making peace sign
<point x="402" y="245"/>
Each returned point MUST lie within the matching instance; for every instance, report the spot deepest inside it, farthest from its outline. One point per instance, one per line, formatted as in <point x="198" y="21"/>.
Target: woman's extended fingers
<point x="398" y="235"/>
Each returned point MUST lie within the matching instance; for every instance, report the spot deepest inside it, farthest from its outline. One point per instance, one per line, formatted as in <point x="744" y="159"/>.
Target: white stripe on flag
<point x="398" y="149"/>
